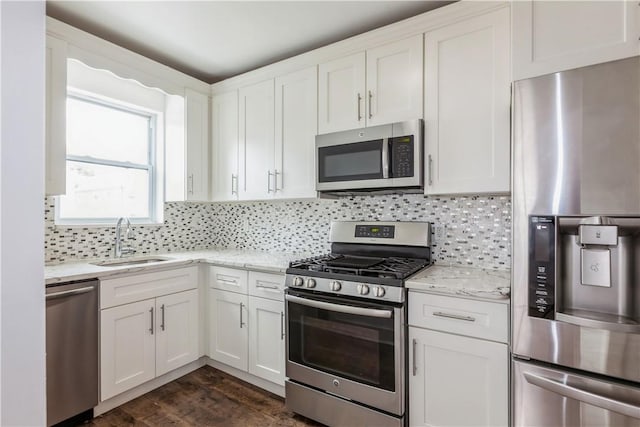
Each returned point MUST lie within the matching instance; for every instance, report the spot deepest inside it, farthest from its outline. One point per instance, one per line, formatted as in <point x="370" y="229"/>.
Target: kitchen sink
<point x="121" y="262"/>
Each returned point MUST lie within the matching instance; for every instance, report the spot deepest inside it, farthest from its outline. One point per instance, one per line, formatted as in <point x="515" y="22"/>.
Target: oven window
<point x="359" y="348"/>
<point x="350" y="162"/>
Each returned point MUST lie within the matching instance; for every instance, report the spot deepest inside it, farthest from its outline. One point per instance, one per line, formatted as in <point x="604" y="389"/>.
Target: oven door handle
<point x="359" y="311"/>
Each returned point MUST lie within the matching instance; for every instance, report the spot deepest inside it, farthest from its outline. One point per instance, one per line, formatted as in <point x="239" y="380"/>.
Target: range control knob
<point x="311" y="283"/>
<point x="298" y="281"/>
<point x="378" y="291"/>
<point x="363" y="289"/>
<point x="335" y="286"/>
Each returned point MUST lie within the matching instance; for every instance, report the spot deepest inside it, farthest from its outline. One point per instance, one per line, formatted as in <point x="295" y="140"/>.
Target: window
<point x="110" y="162"/>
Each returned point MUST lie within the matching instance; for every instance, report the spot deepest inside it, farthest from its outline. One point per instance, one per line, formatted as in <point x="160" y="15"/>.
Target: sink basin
<point x="131" y="261"/>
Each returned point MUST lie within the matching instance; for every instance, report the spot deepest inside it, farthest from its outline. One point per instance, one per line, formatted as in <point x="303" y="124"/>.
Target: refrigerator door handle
<point x="585" y="396"/>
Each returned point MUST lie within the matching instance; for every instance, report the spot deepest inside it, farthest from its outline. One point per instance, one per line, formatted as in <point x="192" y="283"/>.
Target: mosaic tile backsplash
<point x="476" y="229"/>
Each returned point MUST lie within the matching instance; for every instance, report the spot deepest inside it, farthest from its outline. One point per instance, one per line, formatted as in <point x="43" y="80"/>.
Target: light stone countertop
<point x="273" y="262"/>
<point x="463" y="281"/>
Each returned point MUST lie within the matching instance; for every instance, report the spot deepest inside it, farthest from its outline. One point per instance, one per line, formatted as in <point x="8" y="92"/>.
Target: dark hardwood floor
<point x="205" y="397"/>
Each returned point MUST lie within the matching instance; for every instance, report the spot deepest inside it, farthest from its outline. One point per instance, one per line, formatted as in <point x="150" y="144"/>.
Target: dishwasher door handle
<point x="70" y="292"/>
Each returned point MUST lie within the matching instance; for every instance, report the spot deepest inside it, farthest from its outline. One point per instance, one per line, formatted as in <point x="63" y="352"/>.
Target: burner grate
<point x="391" y="267"/>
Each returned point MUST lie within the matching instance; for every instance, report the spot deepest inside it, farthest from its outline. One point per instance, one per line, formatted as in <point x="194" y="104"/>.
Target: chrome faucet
<point x="119" y="249"/>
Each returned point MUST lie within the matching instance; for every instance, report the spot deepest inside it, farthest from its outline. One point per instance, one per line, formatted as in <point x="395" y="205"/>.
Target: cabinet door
<point x="394" y="82"/>
<point x="467" y="106"/>
<point x="256" y="141"/>
<point x="224" y="144"/>
<point x="228" y="328"/>
<point x="341" y="94"/>
<point x="296" y="128"/>
<point x="266" y="339"/>
<point x="56" y="117"/>
<point x="177" y="330"/>
<point x="127" y="343"/>
<point x="550" y="36"/>
<point x="457" y="381"/>
<point x="197" y="136"/>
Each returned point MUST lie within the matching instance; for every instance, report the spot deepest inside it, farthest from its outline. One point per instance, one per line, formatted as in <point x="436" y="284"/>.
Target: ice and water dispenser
<point x="585" y="271"/>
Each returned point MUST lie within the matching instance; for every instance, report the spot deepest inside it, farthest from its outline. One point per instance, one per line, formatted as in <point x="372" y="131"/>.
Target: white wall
<point x="22" y="308"/>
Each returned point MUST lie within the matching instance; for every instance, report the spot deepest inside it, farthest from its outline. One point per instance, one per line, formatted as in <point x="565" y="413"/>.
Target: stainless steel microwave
<point x="375" y="158"/>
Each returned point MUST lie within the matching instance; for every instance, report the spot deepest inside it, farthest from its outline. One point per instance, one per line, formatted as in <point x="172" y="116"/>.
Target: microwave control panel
<point x="401" y="156"/>
<point x="542" y="277"/>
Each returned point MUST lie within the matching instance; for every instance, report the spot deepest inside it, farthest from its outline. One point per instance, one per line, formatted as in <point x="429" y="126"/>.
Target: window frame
<point x="151" y="167"/>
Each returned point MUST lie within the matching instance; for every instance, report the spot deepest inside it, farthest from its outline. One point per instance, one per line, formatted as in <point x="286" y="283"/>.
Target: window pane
<point x="96" y="191"/>
<point x="106" y="133"/>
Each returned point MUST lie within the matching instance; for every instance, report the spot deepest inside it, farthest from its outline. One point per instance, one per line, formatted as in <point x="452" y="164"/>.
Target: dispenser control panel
<point x="542" y="255"/>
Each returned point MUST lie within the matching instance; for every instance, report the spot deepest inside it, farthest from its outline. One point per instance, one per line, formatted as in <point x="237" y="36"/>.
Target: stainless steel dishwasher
<point x="72" y="350"/>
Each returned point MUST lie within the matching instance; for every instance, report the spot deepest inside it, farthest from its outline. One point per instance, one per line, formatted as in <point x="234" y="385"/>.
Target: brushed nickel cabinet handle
<point x="269" y="181"/>
<point x="241" y="322"/>
<point x="454" y="316"/>
<point x="413" y="351"/>
<point x="282" y="325"/>
<point x="234" y="180"/>
<point x="190" y="183"/>
<point x="359" y="113"/>
<point x="370" y="97"/>
<point x="162" y="317"/>
<point x="151" y="328"/>
<point x="276" y="181"/>
<point x="430" y="170"/>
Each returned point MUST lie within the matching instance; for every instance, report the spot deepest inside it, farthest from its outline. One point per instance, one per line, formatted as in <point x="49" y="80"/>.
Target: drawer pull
<point x="261" y="286"/>
<point x="454" y="316"/>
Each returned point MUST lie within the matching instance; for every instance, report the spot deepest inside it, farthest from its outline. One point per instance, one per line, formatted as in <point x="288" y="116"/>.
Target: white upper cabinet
<point x="56" y="117"/>
<point x="224" y="144"/>
<point x="341" y="91"/>
<point x="296" y="124"/>
<point x="197" y="147"/>
<point x="394" y="82"/>
<point x="257" y="180"/>
<point x="467" y="106"/>
<point x="551" y="36"/>
<point x="383" y="85"/>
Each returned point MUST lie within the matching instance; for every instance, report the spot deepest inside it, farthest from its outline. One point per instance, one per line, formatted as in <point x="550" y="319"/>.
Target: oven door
<point x="352" y="349"/>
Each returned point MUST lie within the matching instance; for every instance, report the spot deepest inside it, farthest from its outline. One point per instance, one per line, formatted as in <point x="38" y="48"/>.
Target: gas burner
<point x="390" y="267"/>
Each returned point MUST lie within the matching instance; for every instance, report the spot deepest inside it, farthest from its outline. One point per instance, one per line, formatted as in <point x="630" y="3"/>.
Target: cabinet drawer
<point x="228" y="279"/>
<point x="129" y="289"/>
<point x="480" y="319"/>
<point x="266" y="285"/>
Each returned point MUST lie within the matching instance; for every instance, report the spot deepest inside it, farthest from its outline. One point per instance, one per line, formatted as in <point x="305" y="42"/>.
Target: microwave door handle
<point x="339" y="308"/>
<point x="385" y="158"/>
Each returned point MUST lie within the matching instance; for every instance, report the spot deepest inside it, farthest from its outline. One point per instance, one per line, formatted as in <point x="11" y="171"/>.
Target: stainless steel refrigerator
<point x="576" y="247"/>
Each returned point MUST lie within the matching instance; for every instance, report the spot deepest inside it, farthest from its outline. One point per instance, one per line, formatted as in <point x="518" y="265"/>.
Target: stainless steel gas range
<point x="347" y="324"/>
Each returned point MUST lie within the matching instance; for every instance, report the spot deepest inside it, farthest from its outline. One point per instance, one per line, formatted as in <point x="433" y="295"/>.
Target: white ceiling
<point x="213" y="40"/>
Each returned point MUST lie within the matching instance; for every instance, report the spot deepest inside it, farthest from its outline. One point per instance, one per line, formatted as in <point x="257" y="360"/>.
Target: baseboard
<point x="128" y="395"/>
<point x="247" y="377"/>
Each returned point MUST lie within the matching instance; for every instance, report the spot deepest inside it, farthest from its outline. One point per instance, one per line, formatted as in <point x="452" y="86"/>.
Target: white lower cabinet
<point x="127" y="346"/>
<point x="142" y="340"/>
<point x="457" y="380"/>
<point x="228" y="331"/>
<point x="246" y="327"/>
<point x="266" y="339"/>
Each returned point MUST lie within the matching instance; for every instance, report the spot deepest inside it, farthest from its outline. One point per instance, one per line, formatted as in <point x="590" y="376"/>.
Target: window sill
<point x="104" y="224"/>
